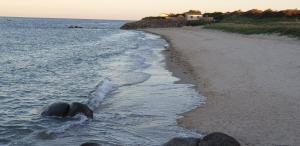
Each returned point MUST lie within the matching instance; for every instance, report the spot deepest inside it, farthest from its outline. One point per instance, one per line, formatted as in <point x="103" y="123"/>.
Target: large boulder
<point x="218" y="139"/>
<point x="77" y="108"/>
<point x="61" y="109"/>
<point x="181" y="141"/>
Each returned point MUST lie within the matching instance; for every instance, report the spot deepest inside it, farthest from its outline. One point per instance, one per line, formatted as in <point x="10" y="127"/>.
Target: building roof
<point x="193" y="12"/>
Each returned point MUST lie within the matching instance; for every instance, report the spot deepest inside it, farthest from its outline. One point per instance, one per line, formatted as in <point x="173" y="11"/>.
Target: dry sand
<point x="252" y="83"/>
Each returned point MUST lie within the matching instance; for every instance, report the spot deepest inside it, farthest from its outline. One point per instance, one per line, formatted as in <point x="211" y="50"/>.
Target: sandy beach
<point x="252" y="83"/>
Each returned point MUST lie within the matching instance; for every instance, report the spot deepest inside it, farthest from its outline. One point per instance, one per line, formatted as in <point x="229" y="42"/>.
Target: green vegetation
<point x="290" y="28"/>
<point x="153" y="18"/>
<point x="286" y="22"/>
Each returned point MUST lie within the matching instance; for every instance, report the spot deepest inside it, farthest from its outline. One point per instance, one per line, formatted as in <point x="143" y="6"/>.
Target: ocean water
<point x="120" y="74"/>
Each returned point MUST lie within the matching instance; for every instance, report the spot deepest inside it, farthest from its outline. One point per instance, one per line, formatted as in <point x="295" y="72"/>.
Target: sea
<point x="120" y="74"/>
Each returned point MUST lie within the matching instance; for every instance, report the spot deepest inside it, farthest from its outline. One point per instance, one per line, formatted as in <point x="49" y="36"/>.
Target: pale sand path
<point x="252" y="84"/>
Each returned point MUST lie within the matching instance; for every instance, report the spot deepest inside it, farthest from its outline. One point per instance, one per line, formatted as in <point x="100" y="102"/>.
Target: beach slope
<point x="252" y="83"/>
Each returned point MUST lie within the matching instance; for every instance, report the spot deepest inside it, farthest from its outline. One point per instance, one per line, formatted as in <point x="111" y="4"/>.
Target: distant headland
<point x="192" y="17"/>
<point x="254" y="21"/>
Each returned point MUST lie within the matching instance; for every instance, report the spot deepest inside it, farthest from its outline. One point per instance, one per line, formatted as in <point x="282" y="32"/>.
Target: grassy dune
<point x="290" y="27"/>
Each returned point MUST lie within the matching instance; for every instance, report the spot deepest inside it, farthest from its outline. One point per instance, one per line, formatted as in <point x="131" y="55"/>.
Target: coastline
<point x="238" y="103"/>
<point x="175" y="62"/>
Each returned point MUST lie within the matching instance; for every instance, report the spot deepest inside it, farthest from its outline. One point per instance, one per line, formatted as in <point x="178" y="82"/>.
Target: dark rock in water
<point x="74" y="26"/>
<point x="77" y="108"/>
<point x="90" y="144"/>
<point x="218" y="139"/>
<point x="62" y="109"/>
<point x="180" y="141"/>
<point x="213" y="139"/>
<point x="154" y="23"/>
<point x="46" y="136"/>
<point x="59" y="109"/>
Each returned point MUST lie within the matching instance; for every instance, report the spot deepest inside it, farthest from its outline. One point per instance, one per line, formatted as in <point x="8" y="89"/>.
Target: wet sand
<point x="252" y="83"/>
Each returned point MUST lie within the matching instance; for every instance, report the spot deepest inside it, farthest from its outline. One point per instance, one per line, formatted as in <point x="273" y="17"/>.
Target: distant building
<point x="193" y="15"/>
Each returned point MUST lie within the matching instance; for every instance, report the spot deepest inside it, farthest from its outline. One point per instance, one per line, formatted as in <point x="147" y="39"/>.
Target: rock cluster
<point x="62" y="109"/>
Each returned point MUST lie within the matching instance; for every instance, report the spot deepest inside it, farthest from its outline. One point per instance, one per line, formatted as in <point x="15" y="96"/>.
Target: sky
<point x="130" y="9"/>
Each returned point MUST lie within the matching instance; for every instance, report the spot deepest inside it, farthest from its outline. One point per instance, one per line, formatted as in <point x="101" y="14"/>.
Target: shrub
<point x="218" y="16"/>
<point x="290" y="13"/>
<point x="254" y="13"/>
<point x="153" y="18"/>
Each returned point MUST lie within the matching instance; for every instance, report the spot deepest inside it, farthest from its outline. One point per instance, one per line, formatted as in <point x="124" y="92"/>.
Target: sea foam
<point x="101" y="91"/>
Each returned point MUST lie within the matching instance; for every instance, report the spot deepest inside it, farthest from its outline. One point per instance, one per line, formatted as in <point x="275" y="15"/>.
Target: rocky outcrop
<point x="154" y="23"/>
<point x="213" y="139"/>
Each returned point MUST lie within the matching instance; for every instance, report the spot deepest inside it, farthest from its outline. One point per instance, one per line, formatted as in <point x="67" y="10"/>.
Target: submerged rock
<point x="181" y="141"/>
<point x="61" y="109"/>
<point x="90" y="144"/>
<point x="74" y="26"/>
<point x="218" y="139"/>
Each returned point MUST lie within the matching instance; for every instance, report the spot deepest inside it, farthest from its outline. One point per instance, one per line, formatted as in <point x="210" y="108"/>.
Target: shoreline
<point x="181" y="69"/>
<point x="238" y="103"/>
<point x="175" y="63"/>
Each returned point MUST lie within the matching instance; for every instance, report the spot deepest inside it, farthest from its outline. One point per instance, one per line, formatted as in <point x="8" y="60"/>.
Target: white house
<point x="193" y="15"/>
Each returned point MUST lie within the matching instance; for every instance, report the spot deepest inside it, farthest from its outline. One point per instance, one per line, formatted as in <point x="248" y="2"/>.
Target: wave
<point x="67" y="125"/>
<point x="104" y="88"/>
<point x="101" y="91"/>
<point x="132" y="78"/>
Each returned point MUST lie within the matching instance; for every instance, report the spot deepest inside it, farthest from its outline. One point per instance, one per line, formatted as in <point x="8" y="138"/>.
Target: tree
<point x="254" y="13"/>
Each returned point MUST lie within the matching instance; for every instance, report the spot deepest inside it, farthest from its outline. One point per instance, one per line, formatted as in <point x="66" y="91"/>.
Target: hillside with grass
<point x="285" y="22"/>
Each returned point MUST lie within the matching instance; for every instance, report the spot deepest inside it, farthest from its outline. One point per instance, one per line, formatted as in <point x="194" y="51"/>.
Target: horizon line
<point x="71" y="18"/>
